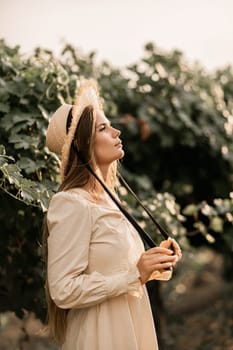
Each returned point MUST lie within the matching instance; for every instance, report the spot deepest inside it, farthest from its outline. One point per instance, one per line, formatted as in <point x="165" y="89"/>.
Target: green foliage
<point x="22" y="189"/>
<point x="180" y="113"/>
<point x="176" y="126"/>
<point x="213" y="224"/>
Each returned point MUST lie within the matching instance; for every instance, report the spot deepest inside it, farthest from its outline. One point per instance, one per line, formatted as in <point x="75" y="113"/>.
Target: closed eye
<point x="103" y="126"/>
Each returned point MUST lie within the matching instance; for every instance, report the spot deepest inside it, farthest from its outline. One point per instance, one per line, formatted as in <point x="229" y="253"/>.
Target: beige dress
<point x="92" y="256"/>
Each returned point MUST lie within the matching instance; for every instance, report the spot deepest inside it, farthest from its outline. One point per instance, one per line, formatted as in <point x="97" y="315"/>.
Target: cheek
<point x="104" y="150"/>
<point x="100" y="144"/>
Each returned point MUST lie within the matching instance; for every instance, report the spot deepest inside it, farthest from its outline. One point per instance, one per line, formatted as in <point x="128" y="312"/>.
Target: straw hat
<point x="57" y="140"/>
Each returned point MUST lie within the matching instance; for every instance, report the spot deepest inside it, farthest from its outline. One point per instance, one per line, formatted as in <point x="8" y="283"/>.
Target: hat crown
<point x="56" y="132"/>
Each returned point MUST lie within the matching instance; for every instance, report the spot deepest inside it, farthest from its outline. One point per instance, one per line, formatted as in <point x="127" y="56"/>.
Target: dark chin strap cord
<point x="157" y="224"/>
<point x="143" y="234"/>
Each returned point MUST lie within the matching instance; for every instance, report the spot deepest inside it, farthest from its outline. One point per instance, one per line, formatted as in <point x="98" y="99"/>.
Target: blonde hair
<point x="76" y="175"/>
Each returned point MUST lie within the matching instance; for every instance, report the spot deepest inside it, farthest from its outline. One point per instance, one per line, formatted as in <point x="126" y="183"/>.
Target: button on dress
<point x="92" y="255"/>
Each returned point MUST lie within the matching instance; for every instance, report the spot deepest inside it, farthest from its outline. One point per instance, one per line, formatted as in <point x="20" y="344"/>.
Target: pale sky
<point x="117" y="30"/>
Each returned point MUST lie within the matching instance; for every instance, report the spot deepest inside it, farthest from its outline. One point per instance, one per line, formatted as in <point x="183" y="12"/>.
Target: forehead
<point x="101" y="117"/>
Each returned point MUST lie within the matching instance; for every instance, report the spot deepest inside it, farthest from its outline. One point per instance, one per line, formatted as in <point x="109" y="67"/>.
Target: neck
<point x="104" y="171"/>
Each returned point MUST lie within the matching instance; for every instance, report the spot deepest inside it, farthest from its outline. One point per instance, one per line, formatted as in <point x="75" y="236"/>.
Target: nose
<point x="116" y="132"/>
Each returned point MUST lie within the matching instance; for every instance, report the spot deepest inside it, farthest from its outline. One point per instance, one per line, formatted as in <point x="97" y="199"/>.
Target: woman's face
<point x="107" y="145"/>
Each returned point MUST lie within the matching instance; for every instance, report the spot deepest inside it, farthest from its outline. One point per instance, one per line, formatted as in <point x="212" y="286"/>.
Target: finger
<point x="173" y="245"/>
<point x="162" y="266"/>
<point x="166" y="243"/>
<point x="162" y="258"/>
<point x="176" y="248"/>
<point x="158" y="250"/>
<point x="159" y="259"/>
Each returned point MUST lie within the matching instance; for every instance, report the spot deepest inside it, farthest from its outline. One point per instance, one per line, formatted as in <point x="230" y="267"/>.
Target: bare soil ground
<point x="199" y="306"/>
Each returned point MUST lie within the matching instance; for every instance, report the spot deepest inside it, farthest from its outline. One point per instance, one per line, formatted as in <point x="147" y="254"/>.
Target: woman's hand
<point x="157" y="258"/>
<point x="170" y="243"/>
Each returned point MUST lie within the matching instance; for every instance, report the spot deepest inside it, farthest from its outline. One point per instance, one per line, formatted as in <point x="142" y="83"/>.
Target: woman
<point x="96" y="264"/>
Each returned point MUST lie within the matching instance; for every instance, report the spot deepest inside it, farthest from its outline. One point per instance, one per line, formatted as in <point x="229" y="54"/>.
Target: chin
<point x="121" y="155"/>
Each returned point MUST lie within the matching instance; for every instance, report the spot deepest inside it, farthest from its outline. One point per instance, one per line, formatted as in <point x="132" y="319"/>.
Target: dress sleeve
<point x="70" y="226"/>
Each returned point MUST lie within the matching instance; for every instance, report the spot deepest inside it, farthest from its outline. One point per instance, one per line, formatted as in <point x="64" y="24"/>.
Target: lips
<point x="118" y="144"/>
